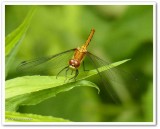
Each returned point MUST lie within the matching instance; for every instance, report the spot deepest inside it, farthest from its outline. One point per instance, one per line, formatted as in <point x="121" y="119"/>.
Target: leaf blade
<point x="19" y="117"/>
<point x="15" y="36"/>
<point x="29" y="84"/>
<point x="14" y="39"/>
<point x="33" y="98"/>
<point x="31" y="90"/>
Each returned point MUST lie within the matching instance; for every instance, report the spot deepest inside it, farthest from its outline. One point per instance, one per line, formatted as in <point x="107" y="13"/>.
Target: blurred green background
<point x="122" y="32"/>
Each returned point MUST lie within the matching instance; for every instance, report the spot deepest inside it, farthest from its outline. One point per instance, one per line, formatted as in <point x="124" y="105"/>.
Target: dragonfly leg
<point x="67" y="71"/>
<point x="84" y="67"/>
<point x="71" y="72"/>
<point x="62" y="70"/>
<point x="66" y="74"/>
<point x="76" y="74"/>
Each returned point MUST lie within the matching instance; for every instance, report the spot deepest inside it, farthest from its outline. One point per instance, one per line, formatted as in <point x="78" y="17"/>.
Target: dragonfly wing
<point x="46" y="63"/>
<point x="113" y="79"/>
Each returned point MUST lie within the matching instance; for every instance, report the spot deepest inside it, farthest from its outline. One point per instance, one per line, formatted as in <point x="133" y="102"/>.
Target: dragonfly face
<point x="74" y="64"/>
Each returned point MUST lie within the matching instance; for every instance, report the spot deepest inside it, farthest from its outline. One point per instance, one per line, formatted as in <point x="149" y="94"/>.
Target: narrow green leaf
<point x="30" y="90"/>
<point x="19" y="117"/>
<point x="101" y="69"/>
<point x="14" y="39"/>
<point x="15" y="36"/>
<point x="28" y="84"/>
<point x="36" y="97"/>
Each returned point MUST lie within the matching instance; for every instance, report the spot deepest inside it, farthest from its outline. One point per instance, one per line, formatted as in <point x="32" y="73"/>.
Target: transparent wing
<point x="112" y="79"/>
<point x="46" y="64"/>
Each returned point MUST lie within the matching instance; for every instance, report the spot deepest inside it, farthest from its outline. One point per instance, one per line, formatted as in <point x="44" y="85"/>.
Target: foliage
<point x="18" y="117"/>
<point x="14" y="39"/>
<point x="122" y="32"/>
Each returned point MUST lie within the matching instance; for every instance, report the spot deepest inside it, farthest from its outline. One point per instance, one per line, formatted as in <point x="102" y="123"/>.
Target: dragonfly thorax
<point x="74" y="64"/>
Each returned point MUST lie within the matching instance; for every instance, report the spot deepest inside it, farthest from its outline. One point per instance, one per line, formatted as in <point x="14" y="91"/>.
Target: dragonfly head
<point x="74" y="64"/>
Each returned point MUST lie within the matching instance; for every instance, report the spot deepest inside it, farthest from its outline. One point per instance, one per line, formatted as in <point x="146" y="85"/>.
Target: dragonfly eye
<point x="74" y="63"/>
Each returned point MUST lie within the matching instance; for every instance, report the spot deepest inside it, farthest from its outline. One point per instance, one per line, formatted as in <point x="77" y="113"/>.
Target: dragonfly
<point x="73" y="64"/>
<point x="72" y="60"/>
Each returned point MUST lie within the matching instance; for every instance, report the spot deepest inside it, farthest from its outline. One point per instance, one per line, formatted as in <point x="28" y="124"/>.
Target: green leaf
<point x="19" y="117"/>
<point x="36" y="96"/>
<point x="15" y="38"/>
<point x="30" y="90"/>
<point x="101" y="69"/>
<point x="27" y="84"/>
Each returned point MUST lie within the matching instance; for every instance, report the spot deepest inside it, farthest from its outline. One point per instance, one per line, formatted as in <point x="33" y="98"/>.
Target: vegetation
<point x="122" y="32"/>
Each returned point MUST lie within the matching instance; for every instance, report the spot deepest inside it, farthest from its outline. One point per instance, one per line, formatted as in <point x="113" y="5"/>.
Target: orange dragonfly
<point x="78" y="56"/>
<point x="71" y="60"/>
<point x="73" y="64"/>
